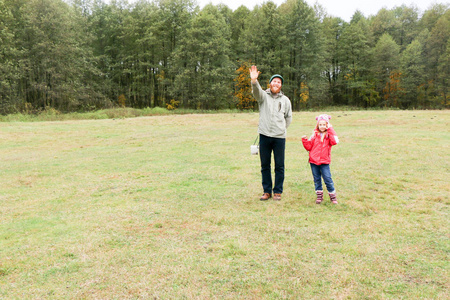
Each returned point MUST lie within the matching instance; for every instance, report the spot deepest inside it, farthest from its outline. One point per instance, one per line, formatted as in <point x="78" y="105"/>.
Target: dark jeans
<point x="267" y="145"/>
<point x="319" y="172"/>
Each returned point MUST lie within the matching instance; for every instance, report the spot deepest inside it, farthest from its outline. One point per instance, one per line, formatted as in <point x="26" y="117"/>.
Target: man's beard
<point x="275" y="90"/>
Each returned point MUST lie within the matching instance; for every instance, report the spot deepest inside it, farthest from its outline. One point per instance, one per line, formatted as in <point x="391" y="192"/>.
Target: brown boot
<point x="265" y="196"/>
<point x="277" y="197"/>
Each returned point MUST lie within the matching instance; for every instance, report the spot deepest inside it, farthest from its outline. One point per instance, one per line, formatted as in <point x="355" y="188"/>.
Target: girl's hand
<point x="304" y="137"/>
<point x="329" y="125"/>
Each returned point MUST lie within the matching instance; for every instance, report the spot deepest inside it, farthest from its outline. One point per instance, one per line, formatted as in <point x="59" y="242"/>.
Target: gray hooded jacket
<point x="275" y="112"/>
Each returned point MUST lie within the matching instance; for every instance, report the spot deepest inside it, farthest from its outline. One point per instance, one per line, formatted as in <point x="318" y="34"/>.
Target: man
<point x="275" y="115"/>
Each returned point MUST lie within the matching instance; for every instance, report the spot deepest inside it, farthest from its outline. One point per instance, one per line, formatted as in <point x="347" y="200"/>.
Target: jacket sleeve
<point x="334" y="140"/>
<point x="307" y="144"/>
<point x="288" y="114"/>
<point x="258" y="92"/>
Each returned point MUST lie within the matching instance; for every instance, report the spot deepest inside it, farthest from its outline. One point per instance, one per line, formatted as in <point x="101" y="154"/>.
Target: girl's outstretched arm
<point x="307" y="143"/>
<point x="334" y="140"/>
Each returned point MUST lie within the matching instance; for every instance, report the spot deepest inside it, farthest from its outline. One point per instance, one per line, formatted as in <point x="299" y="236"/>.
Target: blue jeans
<point x="319" y="172"/>
<point x="267" y="145"/>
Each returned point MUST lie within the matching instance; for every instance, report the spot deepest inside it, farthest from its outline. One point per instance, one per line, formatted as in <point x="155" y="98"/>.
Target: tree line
<point x="79" y="55"/>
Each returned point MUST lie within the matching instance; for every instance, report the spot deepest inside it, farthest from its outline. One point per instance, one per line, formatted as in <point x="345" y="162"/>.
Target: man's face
<point x="275" y="85"/>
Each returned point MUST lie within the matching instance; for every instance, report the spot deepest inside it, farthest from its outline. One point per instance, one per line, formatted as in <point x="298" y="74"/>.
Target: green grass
<point x="166" y="207"/>
<point x="52" y="114"/>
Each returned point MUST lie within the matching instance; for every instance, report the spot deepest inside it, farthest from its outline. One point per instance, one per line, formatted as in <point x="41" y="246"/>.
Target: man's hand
<point x="254" y="73"/>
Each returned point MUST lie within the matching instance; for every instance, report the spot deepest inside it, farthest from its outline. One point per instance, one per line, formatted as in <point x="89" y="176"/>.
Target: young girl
<point x="319" y="147"/>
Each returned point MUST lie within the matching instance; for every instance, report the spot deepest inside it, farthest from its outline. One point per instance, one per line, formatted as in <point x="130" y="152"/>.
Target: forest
<point x="84" y="55"/>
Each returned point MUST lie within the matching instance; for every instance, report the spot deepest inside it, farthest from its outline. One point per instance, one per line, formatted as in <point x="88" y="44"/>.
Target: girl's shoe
<point x="319" y="197"/>
<point x="333" y="198"/>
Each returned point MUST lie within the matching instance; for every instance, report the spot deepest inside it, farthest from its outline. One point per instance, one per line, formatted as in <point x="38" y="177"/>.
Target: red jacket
<point x="320" y="152"/>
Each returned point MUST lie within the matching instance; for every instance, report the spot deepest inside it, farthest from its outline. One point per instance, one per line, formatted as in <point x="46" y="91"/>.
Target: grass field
<point x="167" y="207"/>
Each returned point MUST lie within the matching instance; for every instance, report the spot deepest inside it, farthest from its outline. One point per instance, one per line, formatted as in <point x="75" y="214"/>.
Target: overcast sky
<point x="337" y="8"/>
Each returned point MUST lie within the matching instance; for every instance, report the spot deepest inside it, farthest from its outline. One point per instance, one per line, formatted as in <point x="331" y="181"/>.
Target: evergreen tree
<point x="176" y="16"/>
<point x="443" y="76"/>
<point x="407" y="29"/>
<point x="432" y="15"/>
<point x="436" y="48"/>
<point x="385" y="66"/>
<point x="54" y="62"/>
<point x="139" y="55"/>
<point x="303" y="55"/>
<point x="239" y="24"/>
<point x="263" y="40"/>
<point x="204" y="75"/>
<point x="106" y="25"/>
<point x="332" y="31"/>
<point x="412" y="69"/>
<point x="356" y="58"/>
<point x="384" y="22"/>
<point x="9" y="74"/>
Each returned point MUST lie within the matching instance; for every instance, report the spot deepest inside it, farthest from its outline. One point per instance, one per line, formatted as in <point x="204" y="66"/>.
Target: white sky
<point x="337" y="8"/>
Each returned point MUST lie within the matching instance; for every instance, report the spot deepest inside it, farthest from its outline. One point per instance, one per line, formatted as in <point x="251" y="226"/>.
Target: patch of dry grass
<point x="167" y="207"/>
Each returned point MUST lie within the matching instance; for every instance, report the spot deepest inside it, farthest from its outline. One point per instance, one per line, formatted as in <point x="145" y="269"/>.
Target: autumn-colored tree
<point x="393" y="91"/>
<point x="243" y="89"/>
<point x="304" y="93"/>
<point x="122" y="100"/>
<point x="173" y="104"/>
